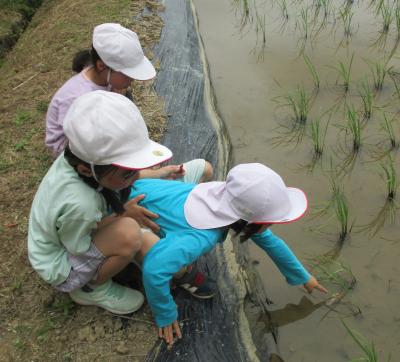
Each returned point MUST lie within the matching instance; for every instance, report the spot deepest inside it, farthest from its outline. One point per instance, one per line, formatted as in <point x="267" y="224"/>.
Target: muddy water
<point x="247" y="91"/>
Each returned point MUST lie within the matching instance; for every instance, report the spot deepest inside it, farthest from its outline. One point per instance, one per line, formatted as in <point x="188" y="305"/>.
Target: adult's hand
<point x="141" y="214"/>
<point x="312" y="284"/>
<point x="167" y="333"/>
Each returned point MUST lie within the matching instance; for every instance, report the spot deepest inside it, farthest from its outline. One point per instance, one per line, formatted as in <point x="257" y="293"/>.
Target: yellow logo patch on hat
<point x="158" y="153"/>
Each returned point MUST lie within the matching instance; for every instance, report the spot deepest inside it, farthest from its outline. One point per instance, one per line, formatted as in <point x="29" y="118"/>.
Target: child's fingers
<point x="177" y="329"/>
<point x="136" y="199"/>
<point x="160" y="333"/>
<point x="321" y="288"/>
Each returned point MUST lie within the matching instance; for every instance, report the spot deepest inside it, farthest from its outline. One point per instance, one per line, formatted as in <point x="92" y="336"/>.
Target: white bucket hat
<point x="106" y="128"/>
<point x="119" y="48"/>
<point x="252" y="192"/>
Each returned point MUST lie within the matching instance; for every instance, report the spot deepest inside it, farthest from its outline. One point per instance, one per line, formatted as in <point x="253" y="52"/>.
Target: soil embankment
<point x="14" y="18"/>
<point x="38" y="324"/>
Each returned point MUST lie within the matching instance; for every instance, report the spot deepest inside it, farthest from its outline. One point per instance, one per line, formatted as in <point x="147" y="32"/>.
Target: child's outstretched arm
<point x="286" y="261"/>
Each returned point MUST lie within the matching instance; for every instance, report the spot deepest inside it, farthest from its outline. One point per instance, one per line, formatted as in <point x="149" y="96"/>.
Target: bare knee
<point x="208" y="172"/>
<point x="131" y="235"/>
<point x="122" y="237"/>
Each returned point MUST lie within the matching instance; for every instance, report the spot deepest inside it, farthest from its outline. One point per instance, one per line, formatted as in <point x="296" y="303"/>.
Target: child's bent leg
<point x="119" y="241"/>
<point x="149" y="240"/>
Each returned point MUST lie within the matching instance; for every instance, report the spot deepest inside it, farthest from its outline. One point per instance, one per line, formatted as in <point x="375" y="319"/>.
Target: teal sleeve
<point x="283" y="257"/>
<point x="167" y="257"/>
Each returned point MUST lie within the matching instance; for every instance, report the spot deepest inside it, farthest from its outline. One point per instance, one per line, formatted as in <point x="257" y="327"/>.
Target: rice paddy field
<point x="312" y="89"/>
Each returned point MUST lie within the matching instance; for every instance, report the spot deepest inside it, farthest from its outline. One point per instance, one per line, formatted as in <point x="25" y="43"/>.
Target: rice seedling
<point x="335" y="272"/>
<point x="370" y="354"/>
<point x="367" y="98"/>
<point x="387" y="127"/>
<point x="344" y="73"/>
<point x="284" y="9"/>
<point x="354" y="126"/>
<point x="245" y="12"/>
<point x="387" y="17"/>
<point x="304" y="23"/>
<point x="346" y="15"/>
<point x="379" y="71"/>
<point x="395" y="78"/>
<point x="397" y="20"/>
<point x="260" y="29"/>
<point x="300" y="104"/>
<point x="342" y="214"/>
<point x="313" y="72"/>
<point x="317" y="137"/>
<point x="389" y="175"/>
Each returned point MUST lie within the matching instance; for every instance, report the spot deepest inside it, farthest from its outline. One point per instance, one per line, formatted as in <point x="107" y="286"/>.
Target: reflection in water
<point x="294" y="312"/>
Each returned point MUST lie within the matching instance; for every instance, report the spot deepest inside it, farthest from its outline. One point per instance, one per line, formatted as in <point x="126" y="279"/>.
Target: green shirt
<point x="64" y="213"/>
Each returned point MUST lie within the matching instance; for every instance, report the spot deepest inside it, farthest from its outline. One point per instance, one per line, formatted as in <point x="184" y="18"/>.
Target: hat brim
<point x="299" y="204"/>
<point x="150" y="155"/>
<point x="142" y="71"/>
<point x="208" y="208"/>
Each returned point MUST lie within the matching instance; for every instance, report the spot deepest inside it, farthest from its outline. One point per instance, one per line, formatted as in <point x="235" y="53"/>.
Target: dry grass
<point x="38" y="323"/>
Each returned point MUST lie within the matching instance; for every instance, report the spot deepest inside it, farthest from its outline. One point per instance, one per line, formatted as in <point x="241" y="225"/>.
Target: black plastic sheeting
<point x="209" y="327"/>
<point x="180" y="82"/>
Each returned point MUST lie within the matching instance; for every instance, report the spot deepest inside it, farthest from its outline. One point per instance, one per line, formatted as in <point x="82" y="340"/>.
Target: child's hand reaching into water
<point x="167" y="333"/>
<point x="312" y="284"/>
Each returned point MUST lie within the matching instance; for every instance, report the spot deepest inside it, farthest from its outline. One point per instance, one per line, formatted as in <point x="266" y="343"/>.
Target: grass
<point x="22" y="117"/>
<point x="58" y="29"/>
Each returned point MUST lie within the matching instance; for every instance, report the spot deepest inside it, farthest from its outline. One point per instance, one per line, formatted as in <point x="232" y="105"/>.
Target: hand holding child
<point x="141" y="214"/>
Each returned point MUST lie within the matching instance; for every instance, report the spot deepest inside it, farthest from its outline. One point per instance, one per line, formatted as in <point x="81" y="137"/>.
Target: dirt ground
<point x="36" y="322"/>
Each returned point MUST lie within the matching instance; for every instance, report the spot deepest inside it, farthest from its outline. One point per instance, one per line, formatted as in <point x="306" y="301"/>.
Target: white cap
<point x="119" y="48"/>
<point x="106" y="128"/>
<point x="252" y="192"/>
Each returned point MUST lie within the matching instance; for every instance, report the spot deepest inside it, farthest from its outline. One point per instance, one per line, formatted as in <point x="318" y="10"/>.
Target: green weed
<point x="42" y="106"/>
<point x="22" y="117"/>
